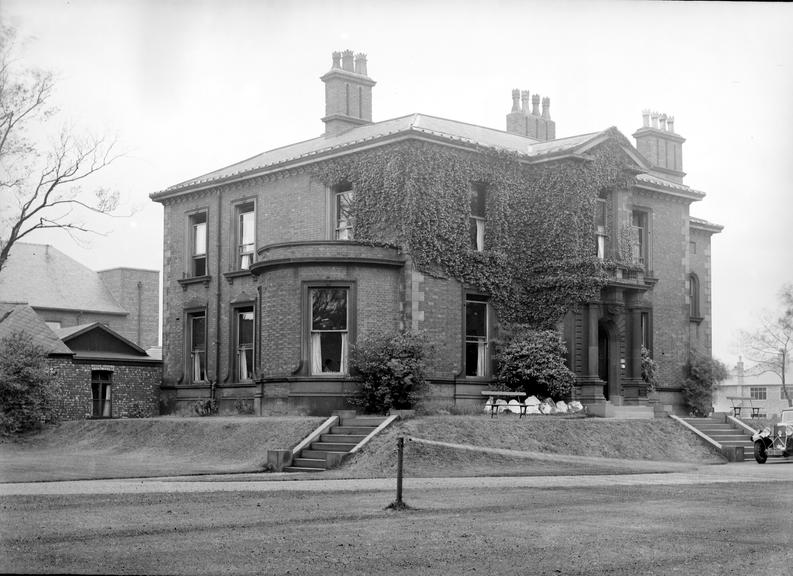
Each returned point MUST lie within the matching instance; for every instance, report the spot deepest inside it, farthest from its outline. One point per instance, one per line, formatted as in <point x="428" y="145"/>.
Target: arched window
<point x="693" y="293"/>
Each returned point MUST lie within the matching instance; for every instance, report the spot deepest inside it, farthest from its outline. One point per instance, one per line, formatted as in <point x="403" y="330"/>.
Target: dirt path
<point x="707" y="522"/>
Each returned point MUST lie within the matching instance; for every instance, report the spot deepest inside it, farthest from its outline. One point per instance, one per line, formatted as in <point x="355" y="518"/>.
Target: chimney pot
<point x="535" y="105"/>
<point x="662" y="121"/>
<point x="346" y="61"/>
<point x="654" y="118"/>
<point x="336" y="59"/>
<point x="546" y="105"/>
<point x="646" y="118"/>
<point x="670" y="124"/>
<point x="524" y="101"/>
<point x="515" y="100"/>
<point x="360" y="64"/>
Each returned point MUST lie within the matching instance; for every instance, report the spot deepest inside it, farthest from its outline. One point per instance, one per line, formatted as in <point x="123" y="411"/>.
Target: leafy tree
<point x="704" y="374"/>
<point x="39" y="185"/>
<point x="391" y="368"/>
<point x="25" y="394"/>
<point x="770" y="346"/>
<point x="533" y="361"/>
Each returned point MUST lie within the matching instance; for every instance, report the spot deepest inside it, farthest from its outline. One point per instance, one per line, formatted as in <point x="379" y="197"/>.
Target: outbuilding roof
<point x="44" y="277"/>
<point x="17" y="317"/>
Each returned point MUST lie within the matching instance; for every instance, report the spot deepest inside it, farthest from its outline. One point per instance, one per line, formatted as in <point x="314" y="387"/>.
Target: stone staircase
<point x="335" y="445"/>
<point x="723" y="431"/>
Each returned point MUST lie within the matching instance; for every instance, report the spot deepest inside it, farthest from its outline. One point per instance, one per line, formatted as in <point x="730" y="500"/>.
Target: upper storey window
<point x="246" y="235"/>
<point x="640" y="237"/>
<point x="477" y="217"/>
<point x="342" y="211"/>
<point x="601" y="211"/>
<point x="693" y="293"/>
<point x="198" y="244"/>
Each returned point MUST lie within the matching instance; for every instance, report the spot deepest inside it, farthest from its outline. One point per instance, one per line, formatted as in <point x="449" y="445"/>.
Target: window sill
<point x="185" y="282"/>
<point x="231" y="276"/>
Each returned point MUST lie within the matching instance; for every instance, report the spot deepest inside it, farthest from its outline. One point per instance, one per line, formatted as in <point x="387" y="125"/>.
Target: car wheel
<point x="759" y="453"/>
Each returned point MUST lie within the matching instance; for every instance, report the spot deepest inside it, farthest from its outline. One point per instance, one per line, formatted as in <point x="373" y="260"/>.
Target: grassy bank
<point x="458" y="446"/>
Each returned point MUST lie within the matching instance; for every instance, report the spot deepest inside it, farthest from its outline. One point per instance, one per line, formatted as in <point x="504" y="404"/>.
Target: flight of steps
<point x="725" y="433"/>
<point x="332" y="446"/>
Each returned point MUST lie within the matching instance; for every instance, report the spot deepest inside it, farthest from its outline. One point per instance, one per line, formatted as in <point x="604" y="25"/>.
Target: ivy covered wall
<point x="539" y="258"/>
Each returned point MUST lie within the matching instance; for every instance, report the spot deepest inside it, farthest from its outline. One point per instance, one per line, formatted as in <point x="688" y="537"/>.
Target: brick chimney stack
<point x="657" y="141"/>
<point x="348" y="93"/>
<point x="531" y="123"/>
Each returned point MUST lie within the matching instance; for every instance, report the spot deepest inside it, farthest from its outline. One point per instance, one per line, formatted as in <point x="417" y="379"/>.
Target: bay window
<point x="329" y="330"/>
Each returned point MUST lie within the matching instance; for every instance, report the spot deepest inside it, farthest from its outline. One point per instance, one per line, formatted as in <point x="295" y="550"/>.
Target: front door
<point x="603" y="359"/>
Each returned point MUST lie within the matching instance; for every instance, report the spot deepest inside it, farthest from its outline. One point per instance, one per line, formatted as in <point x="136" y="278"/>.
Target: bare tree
<point x="39" y="184"/>
<point x="770" y="346"/>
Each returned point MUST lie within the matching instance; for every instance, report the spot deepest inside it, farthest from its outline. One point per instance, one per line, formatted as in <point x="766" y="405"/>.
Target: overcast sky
<point x="188" y="87"/>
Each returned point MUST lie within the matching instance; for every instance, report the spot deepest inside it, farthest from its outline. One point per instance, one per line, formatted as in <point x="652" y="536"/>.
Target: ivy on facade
<point x="539" y="259"/>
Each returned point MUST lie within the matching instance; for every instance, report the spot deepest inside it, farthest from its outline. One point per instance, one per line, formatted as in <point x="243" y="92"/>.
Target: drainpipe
<point x="140" y="313"/>
<point x="217" y="298"/>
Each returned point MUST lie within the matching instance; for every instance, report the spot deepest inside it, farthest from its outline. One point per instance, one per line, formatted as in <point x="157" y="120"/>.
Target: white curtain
<point x="197" y="375"/>
<point x="481" y="358"/>
<point x="243" y="361"/>
<point x="480" y="234"/>
<point x="343" y="363"/>
<point x="316" y="353"/>
<point x="106" y="409"/>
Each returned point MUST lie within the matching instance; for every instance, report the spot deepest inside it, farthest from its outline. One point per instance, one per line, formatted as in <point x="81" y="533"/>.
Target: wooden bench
<point x="738" y="404"/>
<point x="495" y="394"/>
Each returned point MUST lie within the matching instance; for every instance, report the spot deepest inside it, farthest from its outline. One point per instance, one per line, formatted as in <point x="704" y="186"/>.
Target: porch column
<point x="590" y="386"/>
<point x="593" y="315"/>
<point x="636" y="342"/>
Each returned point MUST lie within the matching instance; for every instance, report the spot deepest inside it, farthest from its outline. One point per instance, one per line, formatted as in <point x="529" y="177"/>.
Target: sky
<point x="189" y="87"/>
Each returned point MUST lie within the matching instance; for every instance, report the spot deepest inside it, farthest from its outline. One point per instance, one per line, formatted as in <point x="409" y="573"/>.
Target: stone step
<point x="304" y="462"/>
<point x="332" y="446"/>
<point x="302" y="469"/>
<point x="335" y="438"/>
<point x="363" y="421"/>
<point x="320" y="454"/>
<point x="357" y="430"/>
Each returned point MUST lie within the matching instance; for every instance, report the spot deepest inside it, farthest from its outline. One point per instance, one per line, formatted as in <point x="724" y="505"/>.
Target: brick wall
<point x="134" y="390"/>
<point x="142" y="324"/>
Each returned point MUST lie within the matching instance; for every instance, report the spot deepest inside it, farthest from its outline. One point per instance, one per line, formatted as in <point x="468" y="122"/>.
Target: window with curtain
<point x="244" y="324"/>
<point x="601" y="209"/>
<point x="198" y="351"/>
<point x="246" y="235"/>
<point x="639" y="220"/>
<point x="198" y="244"/>
<point x="477" y="217"/>
<point x="343" y="218"/>
<point x="101" y="384"/>
<point x="329" y="330"/>
<point x="475" y="335"/>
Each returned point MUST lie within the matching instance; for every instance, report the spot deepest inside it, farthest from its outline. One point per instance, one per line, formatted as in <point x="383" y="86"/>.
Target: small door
<point x="101" y="383"/>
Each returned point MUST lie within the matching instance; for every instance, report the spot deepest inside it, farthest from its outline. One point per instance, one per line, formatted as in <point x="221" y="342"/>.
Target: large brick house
<point x="276" y="265"/>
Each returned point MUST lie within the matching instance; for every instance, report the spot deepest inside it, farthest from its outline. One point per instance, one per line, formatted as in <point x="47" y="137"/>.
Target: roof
<point x="45" y="277"/>
<point x="704" y="225"/>
<point x="100" y="342"/>
<point x="15" y="318"/>
<point x="451" y="131"/>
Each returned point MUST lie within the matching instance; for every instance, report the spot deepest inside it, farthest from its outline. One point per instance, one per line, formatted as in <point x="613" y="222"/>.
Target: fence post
<point x="398" y="504"/>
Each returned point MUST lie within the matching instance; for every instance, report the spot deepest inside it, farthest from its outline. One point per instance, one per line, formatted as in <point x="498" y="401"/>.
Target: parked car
<point x="776" y="441"/>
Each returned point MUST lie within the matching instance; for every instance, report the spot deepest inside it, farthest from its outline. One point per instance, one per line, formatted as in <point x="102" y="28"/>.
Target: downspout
<point x="217" y="299"/>
<point x="140" y="313"/>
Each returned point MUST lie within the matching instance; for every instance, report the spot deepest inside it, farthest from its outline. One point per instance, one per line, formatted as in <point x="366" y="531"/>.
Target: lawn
<point x="458" y="446"/>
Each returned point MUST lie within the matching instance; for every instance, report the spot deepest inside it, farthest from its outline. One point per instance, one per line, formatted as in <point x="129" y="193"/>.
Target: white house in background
<point x="764" y="391"/>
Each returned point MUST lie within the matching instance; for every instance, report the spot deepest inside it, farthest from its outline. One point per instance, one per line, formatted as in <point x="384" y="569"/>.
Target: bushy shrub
<point x="533" y="361"/>
<point x="649" y="370"/>
<point x="704" y="373"/>
<point x="391" y="369"/>
<point x="25" y="393"/>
